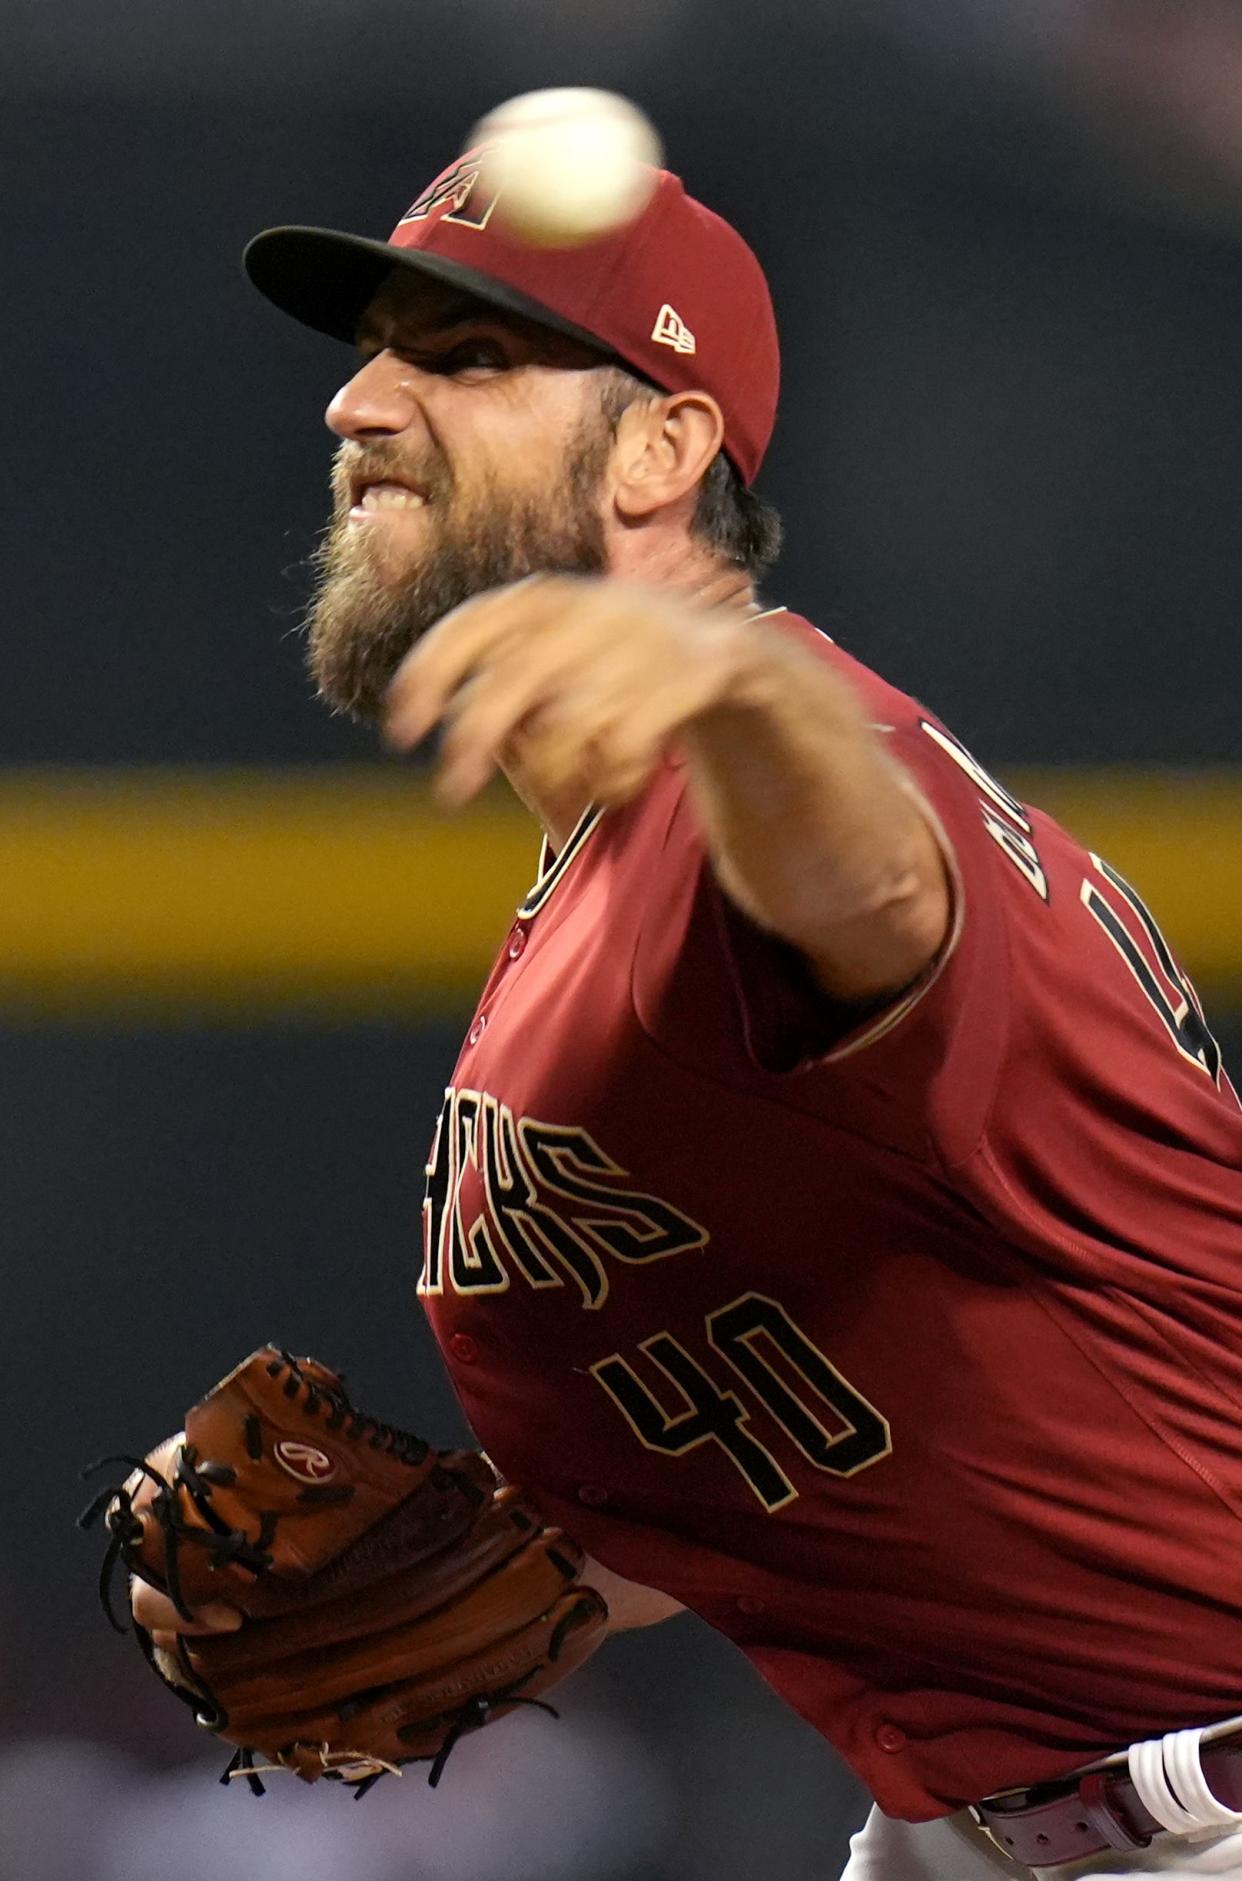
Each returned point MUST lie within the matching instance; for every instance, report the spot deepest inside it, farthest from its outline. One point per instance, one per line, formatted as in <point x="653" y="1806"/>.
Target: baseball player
<point x="835" y="1216"/>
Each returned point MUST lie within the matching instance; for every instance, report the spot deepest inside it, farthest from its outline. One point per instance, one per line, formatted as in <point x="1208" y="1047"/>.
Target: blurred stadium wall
<point x="234" y="894"/>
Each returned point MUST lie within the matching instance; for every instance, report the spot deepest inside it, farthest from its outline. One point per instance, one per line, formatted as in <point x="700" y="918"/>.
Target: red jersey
<point x="909" y="1357"/>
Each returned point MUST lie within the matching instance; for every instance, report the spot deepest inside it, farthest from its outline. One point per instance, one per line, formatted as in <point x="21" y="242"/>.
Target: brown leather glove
<point x="395" y="1596"/>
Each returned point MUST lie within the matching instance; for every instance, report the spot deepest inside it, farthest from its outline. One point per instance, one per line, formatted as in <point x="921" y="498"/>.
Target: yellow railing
<point x="217" y="892"/>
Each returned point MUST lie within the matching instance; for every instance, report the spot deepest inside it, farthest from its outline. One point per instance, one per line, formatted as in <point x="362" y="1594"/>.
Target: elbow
<point x="887" y="946"/>
<point x="921" y="931"/>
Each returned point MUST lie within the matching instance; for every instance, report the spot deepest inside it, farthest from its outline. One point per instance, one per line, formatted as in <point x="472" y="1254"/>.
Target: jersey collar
<point x="552" y="868"/>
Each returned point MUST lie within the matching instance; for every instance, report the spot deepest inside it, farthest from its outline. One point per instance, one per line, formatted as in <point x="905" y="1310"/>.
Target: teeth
<point x="390" y="496"/>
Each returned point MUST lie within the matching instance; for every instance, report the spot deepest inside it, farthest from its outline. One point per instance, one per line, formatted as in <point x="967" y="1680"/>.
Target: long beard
<point x="361" y="624"/>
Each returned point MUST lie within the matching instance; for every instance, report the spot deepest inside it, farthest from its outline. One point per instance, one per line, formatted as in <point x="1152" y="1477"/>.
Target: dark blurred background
<point x="1006" y="249"/>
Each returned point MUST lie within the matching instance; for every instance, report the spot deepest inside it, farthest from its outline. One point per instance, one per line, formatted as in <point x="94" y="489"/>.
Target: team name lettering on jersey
<point x="508" y="1194"/>
<point x="1124" y="917"/>
<point x="1003" y="816"/>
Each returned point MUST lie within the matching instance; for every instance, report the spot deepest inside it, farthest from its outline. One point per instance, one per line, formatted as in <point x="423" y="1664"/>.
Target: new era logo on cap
<point x="671" y="330"/>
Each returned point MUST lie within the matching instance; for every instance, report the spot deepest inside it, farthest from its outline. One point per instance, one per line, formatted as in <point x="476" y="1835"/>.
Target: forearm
<point x="812" y="828"/>
<point x="629" y="1603"/>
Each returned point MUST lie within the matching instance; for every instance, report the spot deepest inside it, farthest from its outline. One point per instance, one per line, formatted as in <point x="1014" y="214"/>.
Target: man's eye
<point x="465" y="356"/>
<point x="473" y="353"/>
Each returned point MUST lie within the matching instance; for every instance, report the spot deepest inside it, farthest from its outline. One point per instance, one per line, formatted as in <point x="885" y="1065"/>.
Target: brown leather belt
<point x="1082" y="1815"/>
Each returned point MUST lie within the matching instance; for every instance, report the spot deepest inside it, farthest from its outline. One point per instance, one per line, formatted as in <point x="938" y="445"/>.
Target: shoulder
<point x="888" y="707"/>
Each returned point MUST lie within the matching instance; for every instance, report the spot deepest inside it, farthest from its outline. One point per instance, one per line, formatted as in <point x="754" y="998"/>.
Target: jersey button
<point x="750" y="1603"/>
<point x="517" y="941"/>
<point x="593" y="1494"/>
<point x="464" y="1348"/>
<point x="890" y="1737"/>
<point x="477" y="1029"/>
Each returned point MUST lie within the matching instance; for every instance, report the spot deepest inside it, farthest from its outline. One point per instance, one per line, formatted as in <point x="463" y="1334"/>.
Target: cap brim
<point x="327" y="280"/>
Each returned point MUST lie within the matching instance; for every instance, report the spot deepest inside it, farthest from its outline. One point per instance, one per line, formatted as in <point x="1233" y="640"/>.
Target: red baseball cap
<point x="676" y="295"/>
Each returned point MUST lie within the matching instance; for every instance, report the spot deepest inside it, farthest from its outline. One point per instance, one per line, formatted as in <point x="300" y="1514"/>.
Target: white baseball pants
<point x="953" y="1849"/>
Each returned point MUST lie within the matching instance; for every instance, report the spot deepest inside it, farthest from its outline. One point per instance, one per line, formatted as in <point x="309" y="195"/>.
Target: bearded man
<point x="834" y="1219"/>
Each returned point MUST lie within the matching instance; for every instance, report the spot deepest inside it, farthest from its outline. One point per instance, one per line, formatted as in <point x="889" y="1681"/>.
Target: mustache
<point x="381" y="462"/>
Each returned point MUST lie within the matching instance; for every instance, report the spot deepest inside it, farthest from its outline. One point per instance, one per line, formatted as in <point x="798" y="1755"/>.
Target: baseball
<point x="568" y="165"/>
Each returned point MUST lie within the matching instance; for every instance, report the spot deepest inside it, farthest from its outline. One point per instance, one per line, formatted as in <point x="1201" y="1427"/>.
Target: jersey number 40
<point x="825" y="1418"/>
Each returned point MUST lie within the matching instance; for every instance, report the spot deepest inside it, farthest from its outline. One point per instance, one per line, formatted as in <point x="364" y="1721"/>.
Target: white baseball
<point x="569" y="165"/>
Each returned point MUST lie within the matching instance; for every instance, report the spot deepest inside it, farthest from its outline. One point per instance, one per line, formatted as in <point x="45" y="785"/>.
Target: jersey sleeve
<point x="942" y="1036"/>
<point x="789" y="1021"/>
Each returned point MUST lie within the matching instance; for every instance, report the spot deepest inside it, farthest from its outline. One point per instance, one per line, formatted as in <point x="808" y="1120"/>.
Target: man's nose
<point x="380" y="398"/>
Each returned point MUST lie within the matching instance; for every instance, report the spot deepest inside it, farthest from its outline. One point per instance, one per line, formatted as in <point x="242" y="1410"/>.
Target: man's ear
<point x="664" y="445"/>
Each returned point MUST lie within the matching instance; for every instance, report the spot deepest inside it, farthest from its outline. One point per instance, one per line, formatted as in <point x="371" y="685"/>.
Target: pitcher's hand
<point x="155" y="1611"/>
<point x="593" y="676"/>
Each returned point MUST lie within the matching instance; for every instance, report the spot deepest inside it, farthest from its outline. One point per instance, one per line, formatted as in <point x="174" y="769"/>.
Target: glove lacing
<point x="472" y="1716"/>
<point x="224" y="1544"/>
<point x="402" y="1444"/>
<point x="229" y="1545"/>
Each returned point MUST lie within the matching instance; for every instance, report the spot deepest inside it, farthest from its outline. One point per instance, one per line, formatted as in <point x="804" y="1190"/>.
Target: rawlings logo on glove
<point x="394" y="1597"/>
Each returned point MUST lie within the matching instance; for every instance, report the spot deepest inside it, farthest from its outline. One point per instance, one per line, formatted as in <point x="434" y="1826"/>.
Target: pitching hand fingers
<point x="530" y="688"/>
<point x="470" y="637"/>
<point x="598" y="738"/>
